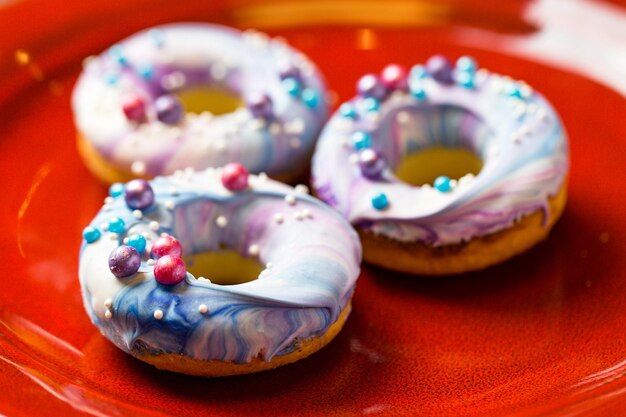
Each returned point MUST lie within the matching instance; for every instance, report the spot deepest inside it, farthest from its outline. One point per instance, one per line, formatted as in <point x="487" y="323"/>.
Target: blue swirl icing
<point x="315" y="262"/>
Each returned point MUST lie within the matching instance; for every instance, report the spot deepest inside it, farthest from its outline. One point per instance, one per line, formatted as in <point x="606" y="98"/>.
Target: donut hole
<point x="438" y="140"/>
<point x="223" y="267"/>
<point x="425" y="166"/>
<point x="212" y="99"/>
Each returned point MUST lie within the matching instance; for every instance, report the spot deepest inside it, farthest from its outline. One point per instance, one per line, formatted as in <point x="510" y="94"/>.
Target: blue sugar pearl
<point x="157" y="36"/>
<point x="91" y="234"/>
<point x="380" y="202"/>
<point x="418" y="72"/>
<point x="146" y="71"/>
<point x="361" y="140"/>
<point x="513" y="90"/>
<point x="348" y="110"/>
<point x="466" y="64"/>
<point x="117" y="53"/>
<point x="417" y="90"/>
<point x="116" y="189"/>
<point x="311" y="97"/>
<point x="138" y="242"/>
<point x="371" y="104"/>
<point x="465" y="79"/>
<point x="442" y="184"/>
<point x="291" y="86"/>
<point x="117" y="225"/>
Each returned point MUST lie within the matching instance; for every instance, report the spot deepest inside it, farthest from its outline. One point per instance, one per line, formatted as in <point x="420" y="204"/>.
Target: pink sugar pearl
<point x="235" y="177"/>
<point x="167" y="245"/>
<point x="170" y="270"/>
<point x="134" y="108"/>
<point x="393" y="77"/>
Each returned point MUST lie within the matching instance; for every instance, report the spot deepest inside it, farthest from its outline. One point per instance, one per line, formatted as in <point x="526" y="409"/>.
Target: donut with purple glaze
<point x="447" y="224"/>
<point x="198" y="95"/>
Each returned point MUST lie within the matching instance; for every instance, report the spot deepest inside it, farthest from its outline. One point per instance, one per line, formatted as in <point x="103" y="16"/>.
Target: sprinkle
<point x="117" y="53"/>
<point x="380" y="202"/>
<point x="138" y="168"/>
<point x="290" y="199"/>
<point x="108" y="200"/>
<point x="154" y="225"/>
<point x="150" y="262"/>
<point x="174" y="190"/>
<point x="108" y="314"/>
<point x="353" y="158"/>
<point x="301" y="189"/>
<point x="403" y="117"/>
<point x="307" y="214"/>
<point x="91" y="234"/>
<point x="298" y="215"/>
<point x="106" y="207"/>
<point x="515" y="138"/>
<point x="117" y="225"/>
<point x="295" y="143"/>
<point x="169" y="204"/>
<point x="203" y="309"/>
<point x="108" y="303"/>
<point x="116" y="189"/>
<point x="361" y="139"/>
<point x="218" y="71"/>
<point x="291" y="86"/>
<point x="104" y="226"/>
<point x="418" y="72"/>
<point x="311" y="98"/>
<point x="221" y="221"/>
<point x="125" y="241"/>
<point x="442" y="184"/>
<point x="269" y="265"/>
<point x="279" y="218"/>
<point x="347" y="110"/>
<point x="371" y="104"/>
<point x="137" y="241"/>
<point x="203" y="279"/>
<point x="158" y="314"/>
<point x="137" y="214"/>
<point x="253" y="250"/>
<point x="173" y="80"/>
<point x="262" y="176"/>
<point x="466" y="64"/>
<point x="157" y="36"/>
<point x="275" y="128"/>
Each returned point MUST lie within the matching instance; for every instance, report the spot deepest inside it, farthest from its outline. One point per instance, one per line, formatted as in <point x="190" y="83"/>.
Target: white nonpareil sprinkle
<point x="138" y="168"/>
<point x="221" y="221"/>
<point x="203" y="309"/>
<point x="301" y="189"/>
<point x="290" y="199"/>
<point x="108" y="303"/>
<point x="279" y="218"/>
<point x="253" y="249"/>
<point x="108" y="314"/>
<point x="137" y="214"/>
<point x="154" y="225"/>
<point x="158" y="314"/>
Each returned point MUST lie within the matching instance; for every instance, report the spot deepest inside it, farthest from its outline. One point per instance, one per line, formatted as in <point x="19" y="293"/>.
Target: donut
<point x="503" y="141"/>
<point x="198" y="95"/>
<point x="167" y="271"/>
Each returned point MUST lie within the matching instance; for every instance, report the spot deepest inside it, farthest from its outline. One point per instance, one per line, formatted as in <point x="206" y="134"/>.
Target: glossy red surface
<point x="542" y="334"/>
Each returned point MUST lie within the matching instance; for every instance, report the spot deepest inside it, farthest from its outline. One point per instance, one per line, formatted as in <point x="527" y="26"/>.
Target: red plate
<point x="542" y="334"/>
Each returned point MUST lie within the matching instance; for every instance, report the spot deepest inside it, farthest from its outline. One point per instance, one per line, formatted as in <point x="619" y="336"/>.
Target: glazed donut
<point x="129" y="104"/>
<point x="138" y="288"/>
<point x="451" y="226"/>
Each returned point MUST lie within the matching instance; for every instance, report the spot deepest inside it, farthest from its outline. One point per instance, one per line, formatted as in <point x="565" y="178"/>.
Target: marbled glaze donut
<point x="138" y="290"/>
<point x="452" y="225"/>
<point x="131" y="121"/>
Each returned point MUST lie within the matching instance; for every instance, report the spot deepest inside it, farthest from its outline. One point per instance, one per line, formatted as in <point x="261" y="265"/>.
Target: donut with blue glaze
<point x="450" y="225"/>
<point x="198" y="95"/>
<point x="139" y="251"/>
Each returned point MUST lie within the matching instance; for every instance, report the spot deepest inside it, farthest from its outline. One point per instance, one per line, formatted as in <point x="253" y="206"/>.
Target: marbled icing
<point x="176" y="57"/>
<point x="313" y="252"/>
<point x="513" y="129"/>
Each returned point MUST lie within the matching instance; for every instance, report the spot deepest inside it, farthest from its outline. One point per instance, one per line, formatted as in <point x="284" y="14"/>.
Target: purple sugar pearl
<point x="260" y="105"/>
<point x="138" y="194"/>
<point x="440" y="68"/>
<point x="124" y="261"/>
<point x="371" y="163"/>
<point x="288" y="70"/>
<point x="370" y="85"/>
<point x="169" y="110"/>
